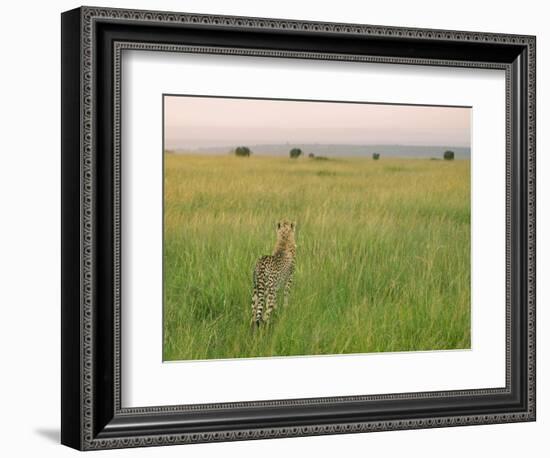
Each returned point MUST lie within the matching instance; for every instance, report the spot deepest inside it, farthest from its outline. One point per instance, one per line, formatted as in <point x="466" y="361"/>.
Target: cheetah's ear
<point x="293" y="226"/>
<point x="278" y="225"/>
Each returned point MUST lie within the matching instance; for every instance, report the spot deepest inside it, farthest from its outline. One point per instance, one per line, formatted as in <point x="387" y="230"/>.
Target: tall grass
<point x="383" y="255"/>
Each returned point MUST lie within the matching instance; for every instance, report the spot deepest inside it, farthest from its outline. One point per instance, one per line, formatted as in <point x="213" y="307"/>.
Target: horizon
<point x="297" y="145"/>
<point x="334" y="151"/>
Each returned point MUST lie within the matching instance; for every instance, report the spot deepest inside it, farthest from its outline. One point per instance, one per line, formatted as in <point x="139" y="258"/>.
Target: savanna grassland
<point x="383" y="255"/>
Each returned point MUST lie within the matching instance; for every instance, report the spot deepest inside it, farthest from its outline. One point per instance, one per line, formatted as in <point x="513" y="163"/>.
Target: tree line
<point x="295" y="153"/>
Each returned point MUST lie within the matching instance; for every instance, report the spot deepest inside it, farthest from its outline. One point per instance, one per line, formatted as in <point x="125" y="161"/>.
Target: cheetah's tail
<point x="257" y="309"/>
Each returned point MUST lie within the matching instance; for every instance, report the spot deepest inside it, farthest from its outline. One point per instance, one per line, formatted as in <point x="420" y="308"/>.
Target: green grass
<point x="383" y="255"/>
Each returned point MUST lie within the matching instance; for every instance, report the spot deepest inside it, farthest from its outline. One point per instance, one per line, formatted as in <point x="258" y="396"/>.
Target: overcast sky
<point x="198" y="122"/>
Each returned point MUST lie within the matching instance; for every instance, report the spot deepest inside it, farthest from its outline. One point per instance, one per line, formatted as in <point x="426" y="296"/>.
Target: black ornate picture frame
<point x="92" y="42"/>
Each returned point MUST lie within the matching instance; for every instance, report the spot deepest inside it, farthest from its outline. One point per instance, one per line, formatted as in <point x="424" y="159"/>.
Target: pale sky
<point x="199" y="122"/>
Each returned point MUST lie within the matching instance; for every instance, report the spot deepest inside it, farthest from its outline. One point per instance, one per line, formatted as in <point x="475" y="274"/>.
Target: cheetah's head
<point x="286" y="231"/>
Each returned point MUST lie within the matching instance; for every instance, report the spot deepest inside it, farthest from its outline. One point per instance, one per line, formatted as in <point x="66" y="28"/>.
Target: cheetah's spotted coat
<point x="274" y="272"/>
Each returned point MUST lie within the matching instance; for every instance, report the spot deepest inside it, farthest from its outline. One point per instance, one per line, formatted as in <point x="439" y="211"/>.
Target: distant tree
<point x="295" y="153"/>
<point x="243" y="151"/>
<point x="449" y="155"/>
<point x="376" y="156"/>
<point x="311" y="155"/>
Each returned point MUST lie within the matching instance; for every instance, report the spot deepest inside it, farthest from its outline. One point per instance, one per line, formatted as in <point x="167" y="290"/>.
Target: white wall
<point x="30" y="214"/>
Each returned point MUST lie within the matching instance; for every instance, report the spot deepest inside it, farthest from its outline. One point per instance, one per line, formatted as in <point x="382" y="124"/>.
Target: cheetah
<point x="273" y="272"/>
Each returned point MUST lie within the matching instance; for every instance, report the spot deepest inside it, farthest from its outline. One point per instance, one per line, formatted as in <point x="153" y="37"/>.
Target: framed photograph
<point x="276" y="228"/>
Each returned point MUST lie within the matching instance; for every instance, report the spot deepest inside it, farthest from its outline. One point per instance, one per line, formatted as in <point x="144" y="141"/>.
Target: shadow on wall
<point x="52" y="435"/>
